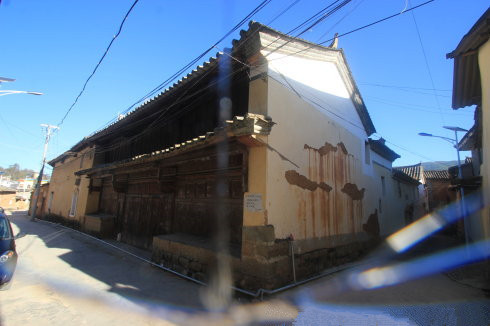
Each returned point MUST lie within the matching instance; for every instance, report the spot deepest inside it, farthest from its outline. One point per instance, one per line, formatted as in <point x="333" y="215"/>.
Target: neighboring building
<point x="438" y="188"/>
<point x="416" y="172"/>
<point x="471" y="86"/>
<point x="26" y="184"/>
<point x="67" y="194"/>
<point x="7" y="197"/>
<point x="267" y="145"/>
<point x="41" y="202"/>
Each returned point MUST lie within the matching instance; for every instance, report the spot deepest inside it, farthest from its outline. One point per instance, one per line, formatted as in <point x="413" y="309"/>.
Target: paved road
<point x="66" y="278"/>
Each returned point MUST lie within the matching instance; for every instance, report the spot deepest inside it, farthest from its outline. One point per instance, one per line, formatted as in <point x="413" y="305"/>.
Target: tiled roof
<point x="414" y="171"/>
<point x="467" y="89"/>
<point x="281" y="43"/>
<point x="402" y="176"/>
<point x="378" y="146"/>
<point x="439" y="175"/>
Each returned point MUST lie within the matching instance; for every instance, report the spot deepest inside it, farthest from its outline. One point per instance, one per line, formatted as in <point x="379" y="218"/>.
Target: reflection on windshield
<point x="4" y="228"/>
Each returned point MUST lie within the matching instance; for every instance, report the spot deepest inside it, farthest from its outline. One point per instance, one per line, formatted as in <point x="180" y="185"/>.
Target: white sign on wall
<point x="253" y="202"/>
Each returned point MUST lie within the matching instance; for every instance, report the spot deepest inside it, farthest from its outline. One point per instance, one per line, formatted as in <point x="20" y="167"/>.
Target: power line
<point x="100" y="61"/>
<point x="413" y="91"/>
<point x="411" y="107"/>
<point x="427" y="65"/>
<point x="405" y="87"/>
<point x="350" y="32"/>
<point x="283" y="12"/>
<point x="340" y="20"/>
<point x="194" y="61"/>
<point x="200" y="56"/>
<point x="302" y="96"/>
<point x="378" y="21"/>
<point x="325" y="16"/>
<point x="315" y="16"/>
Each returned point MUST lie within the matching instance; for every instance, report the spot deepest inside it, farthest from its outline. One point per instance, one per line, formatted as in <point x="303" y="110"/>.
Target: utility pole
<point x="49" y="129"/>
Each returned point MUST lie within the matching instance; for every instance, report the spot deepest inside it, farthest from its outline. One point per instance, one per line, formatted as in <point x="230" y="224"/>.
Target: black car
<point x="8" y="255"/>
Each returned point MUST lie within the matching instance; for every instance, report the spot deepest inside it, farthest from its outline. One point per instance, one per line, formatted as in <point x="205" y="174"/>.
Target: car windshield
<point x="4" y="228"/>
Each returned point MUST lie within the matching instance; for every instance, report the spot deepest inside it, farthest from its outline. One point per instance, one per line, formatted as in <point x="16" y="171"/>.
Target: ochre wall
<point x="484" y="63"/>
<point x="62" y="185"/>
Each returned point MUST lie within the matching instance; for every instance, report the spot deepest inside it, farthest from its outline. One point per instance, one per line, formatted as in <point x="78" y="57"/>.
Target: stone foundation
<point x="100" y="225"/>
<point x="262" y="262"/>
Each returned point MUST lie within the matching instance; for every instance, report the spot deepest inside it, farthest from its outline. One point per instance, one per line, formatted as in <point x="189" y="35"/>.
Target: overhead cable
<point x="98" y="63"/>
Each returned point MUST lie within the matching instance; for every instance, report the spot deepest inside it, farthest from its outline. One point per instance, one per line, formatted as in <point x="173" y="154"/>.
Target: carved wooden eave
<point x="247" y="129"/>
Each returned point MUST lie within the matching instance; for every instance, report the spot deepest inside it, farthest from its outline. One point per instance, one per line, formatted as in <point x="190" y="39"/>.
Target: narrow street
<point x="66" y="278"/>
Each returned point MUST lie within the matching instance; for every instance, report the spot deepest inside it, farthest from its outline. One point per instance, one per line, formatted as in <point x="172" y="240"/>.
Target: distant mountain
<point x="439" y="165"/>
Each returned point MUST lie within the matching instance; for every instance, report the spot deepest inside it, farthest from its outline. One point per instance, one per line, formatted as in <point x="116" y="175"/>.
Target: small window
<point x="399" y="189"/>
<point x="379" y="206"/>
<point x="74" y="200"/>
<point x="81" y="160"/>
<point x="367" y="153"/>
<point x="383" y="186"/>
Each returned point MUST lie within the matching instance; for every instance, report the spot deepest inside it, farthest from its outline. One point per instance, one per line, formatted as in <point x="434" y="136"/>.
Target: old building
<point x="471" y="86"/>
<point x="421" y="198"/>
<point x="7" y="197"/>
<point x="266" y="146"/>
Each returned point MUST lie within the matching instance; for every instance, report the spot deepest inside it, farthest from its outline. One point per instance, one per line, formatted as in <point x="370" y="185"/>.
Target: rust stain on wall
<point x="372" y="225"/>
<point x="329" y="200"/>
<point x="353" y="192"/>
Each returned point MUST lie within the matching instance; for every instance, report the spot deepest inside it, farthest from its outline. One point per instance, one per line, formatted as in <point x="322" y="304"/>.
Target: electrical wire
<point x="411" y="107"/>
<point x="194" y="61"/>
<point x="427" y="65"/>
<point x="405" y="87"/>
<point x="352" y="31"/>
<point x="100" y="61"/>
<point x="200" y="56"/>
<point x="324" y="16"/>
<point x="284" y="11"/>
<point x="315" y="16"/>
<point x="340" y="20"/>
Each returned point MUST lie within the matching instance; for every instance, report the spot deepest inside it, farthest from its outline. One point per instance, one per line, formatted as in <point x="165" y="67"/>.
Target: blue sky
<point x="52" y="46"/>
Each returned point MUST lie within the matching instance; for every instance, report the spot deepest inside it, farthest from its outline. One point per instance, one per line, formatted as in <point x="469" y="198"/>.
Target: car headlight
<point x="6" y="256"/>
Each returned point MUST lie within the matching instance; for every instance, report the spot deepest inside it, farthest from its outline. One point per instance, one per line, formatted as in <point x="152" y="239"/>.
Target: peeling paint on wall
<point x="301" y="181"/>
<point x="342" y="148"/>
<point x="353" y="192"/>
<point x="372" y="224"/>
<point x="296" y="179"/>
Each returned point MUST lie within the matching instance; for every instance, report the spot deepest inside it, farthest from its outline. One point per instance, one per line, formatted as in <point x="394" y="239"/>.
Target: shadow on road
<point x="133" y="279"/>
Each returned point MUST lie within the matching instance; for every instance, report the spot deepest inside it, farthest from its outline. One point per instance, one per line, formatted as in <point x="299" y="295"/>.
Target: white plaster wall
<point x="311" y="106"/>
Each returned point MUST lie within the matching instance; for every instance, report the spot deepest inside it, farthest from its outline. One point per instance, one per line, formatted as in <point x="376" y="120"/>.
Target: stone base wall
<point x="101" y="226"/>
<point x="265" y="262"/>
<point x="71" y="223"/>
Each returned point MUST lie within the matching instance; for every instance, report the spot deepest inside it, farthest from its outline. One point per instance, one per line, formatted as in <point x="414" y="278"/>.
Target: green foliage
<point x="15" y="172"/>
